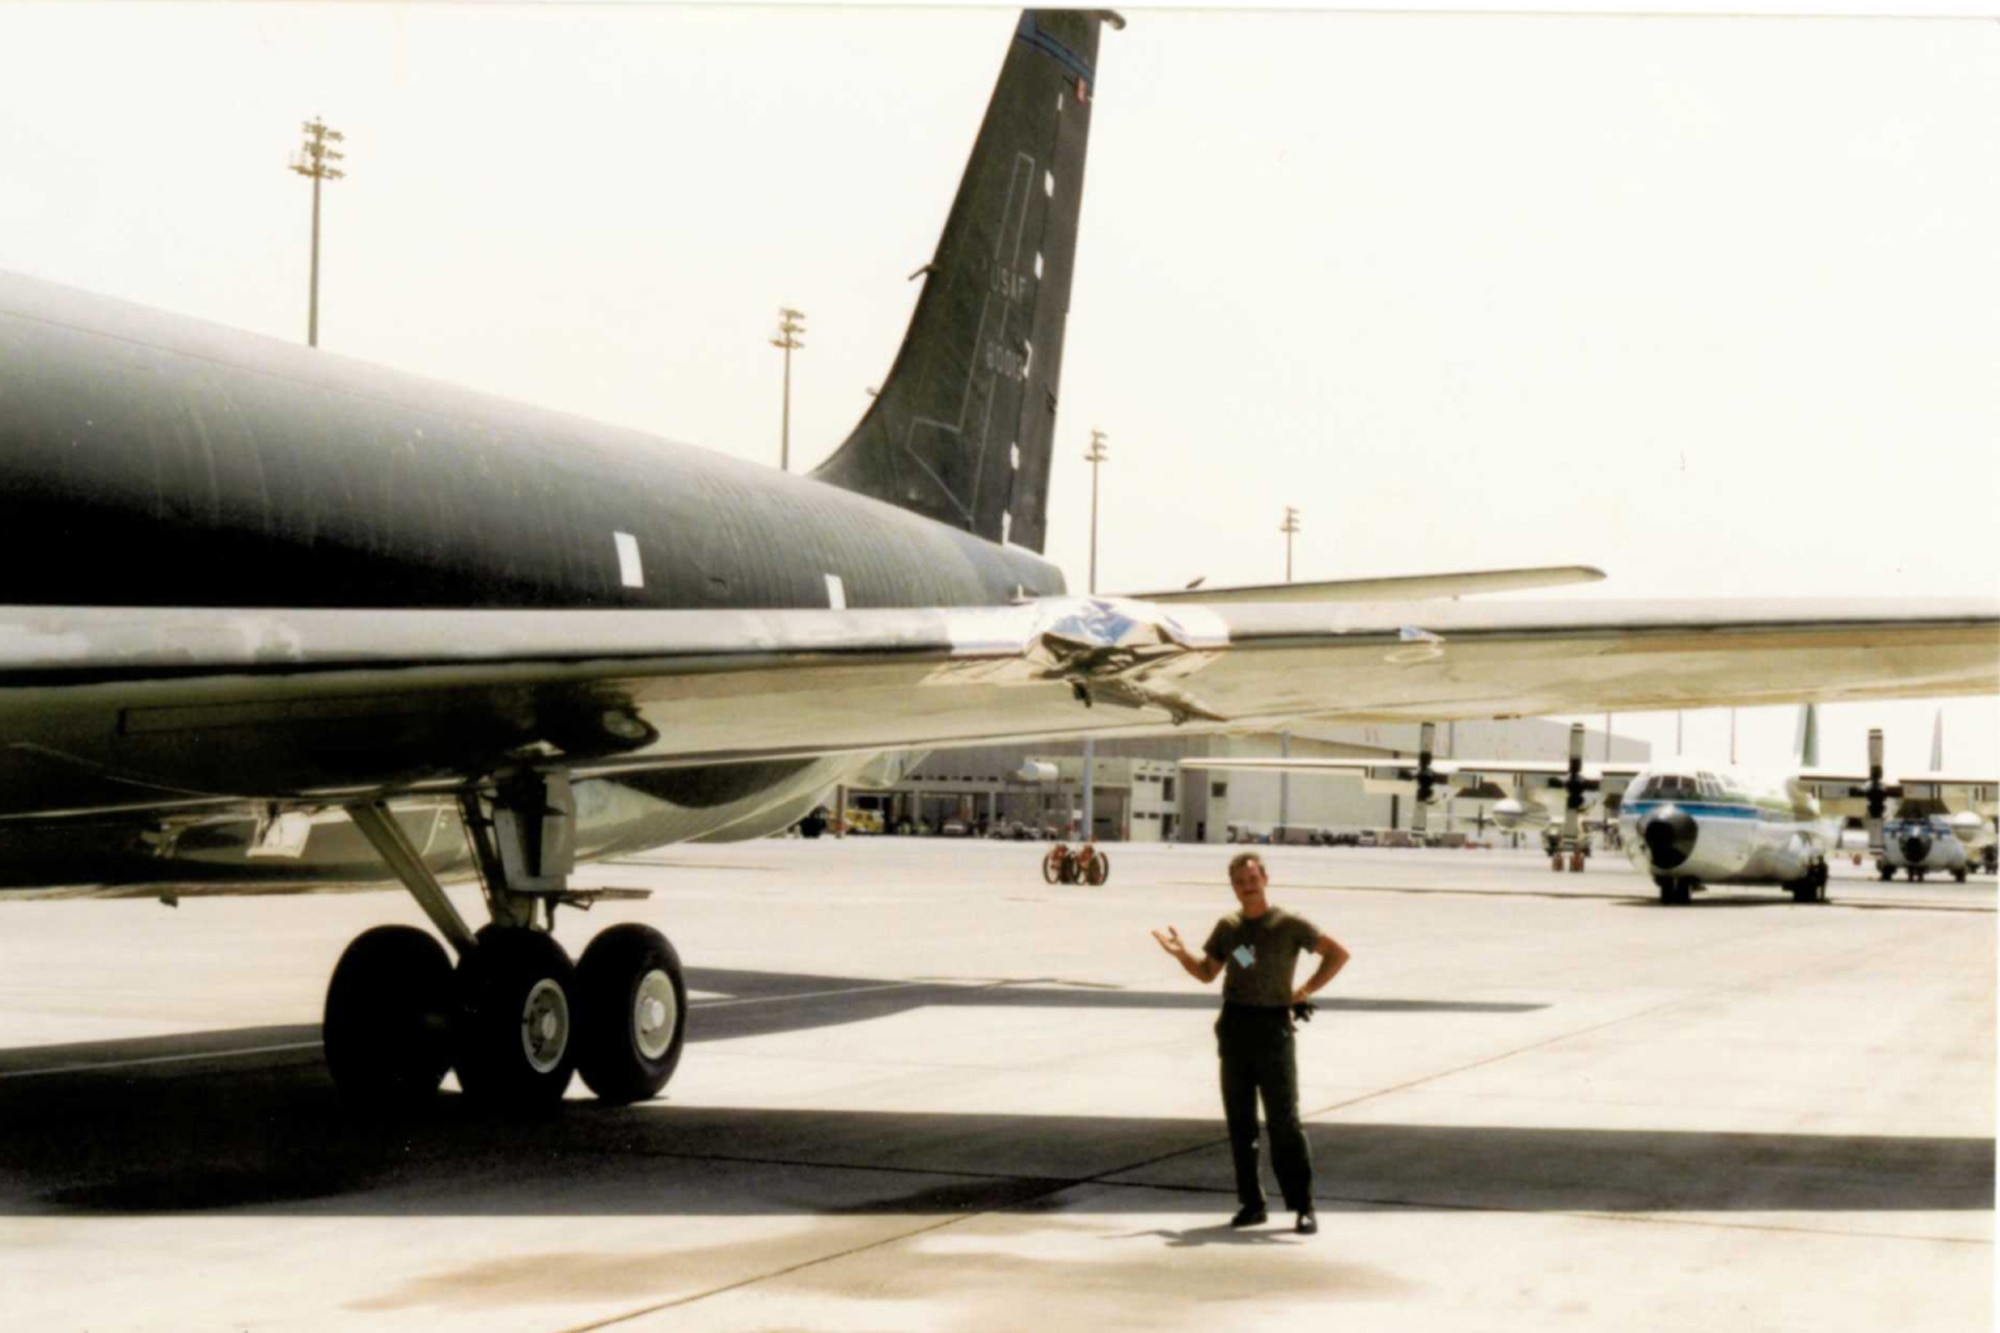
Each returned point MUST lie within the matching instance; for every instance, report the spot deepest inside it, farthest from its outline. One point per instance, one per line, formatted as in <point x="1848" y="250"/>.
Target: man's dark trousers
<point x="1255" y="1043"/>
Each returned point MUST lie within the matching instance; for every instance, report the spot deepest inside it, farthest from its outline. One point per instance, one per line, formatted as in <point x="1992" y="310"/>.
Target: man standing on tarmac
<point x="1259" y="947"/>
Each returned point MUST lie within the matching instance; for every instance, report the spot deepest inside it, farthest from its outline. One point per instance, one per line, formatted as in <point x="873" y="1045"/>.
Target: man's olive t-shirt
<point x="1260" y="954"/>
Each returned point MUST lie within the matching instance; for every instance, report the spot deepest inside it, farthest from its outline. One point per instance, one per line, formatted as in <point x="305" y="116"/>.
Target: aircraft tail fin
<point x="963" y="428"/>
<point x="1805" y="746"/>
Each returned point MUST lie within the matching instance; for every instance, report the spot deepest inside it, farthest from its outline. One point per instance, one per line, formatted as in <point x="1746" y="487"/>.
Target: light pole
<point x="1096" y="456"/>
<point x="1290" y="528"/>
<point x="791" y="323"/>
<point x="311" y="160"/>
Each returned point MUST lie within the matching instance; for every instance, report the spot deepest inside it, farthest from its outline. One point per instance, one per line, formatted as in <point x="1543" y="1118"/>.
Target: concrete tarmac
<point x="926" y="1091"/>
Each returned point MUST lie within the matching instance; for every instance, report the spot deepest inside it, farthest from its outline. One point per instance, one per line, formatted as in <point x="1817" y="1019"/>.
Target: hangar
<point x="1141" y="795"/>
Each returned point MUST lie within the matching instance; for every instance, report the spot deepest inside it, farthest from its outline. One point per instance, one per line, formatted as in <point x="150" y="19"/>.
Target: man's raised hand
<point x="1171" y="942"/>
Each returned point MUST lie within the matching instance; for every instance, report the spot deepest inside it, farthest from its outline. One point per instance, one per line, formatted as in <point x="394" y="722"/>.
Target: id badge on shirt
<point x="1245" y="955"/>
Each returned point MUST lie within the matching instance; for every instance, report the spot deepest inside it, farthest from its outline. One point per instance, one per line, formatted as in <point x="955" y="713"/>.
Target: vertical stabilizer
<point x="963" y="427"/>
<point x="1805" y="746"/>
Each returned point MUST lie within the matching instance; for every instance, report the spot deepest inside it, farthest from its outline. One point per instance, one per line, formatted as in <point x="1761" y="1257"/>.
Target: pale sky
<point x="1711" y="303"/>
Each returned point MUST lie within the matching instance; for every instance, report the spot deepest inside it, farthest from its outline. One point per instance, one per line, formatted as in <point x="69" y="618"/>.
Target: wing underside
<point x="170" y="706"/>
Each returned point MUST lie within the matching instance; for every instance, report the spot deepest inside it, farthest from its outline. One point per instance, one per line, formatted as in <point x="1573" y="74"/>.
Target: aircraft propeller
<point x="1428" y="779"/>
<point x="1576" y="789"/>
<point x="1877" y="793"/>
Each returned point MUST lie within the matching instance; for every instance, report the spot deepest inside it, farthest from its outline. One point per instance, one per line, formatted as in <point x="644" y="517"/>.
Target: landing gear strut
<point x="517" y="1017"/>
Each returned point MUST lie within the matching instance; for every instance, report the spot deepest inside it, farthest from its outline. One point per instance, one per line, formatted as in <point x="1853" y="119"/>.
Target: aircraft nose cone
<point x="1915" y="849"/>
<point x="1669" y="836"/>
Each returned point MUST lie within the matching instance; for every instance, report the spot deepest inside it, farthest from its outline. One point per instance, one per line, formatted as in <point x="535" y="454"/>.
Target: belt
<point x="1256" y="1012"/>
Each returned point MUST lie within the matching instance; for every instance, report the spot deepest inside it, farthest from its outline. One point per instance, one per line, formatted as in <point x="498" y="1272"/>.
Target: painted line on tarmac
<point x="191" y="1057"/>
<point x="755" y="1278"/>
<point x="88" y="1067"/>
<point x="822" y="994"/>
<point x="1593" y="1215"/>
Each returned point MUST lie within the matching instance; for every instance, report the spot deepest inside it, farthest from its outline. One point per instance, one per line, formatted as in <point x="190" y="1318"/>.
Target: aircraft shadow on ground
<point x="187" y="1133"/>
<point x="758" y="1004"/>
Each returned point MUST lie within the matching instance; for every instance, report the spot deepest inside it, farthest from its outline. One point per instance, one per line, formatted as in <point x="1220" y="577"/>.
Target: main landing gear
<point x="516" y="1017"/>
<point x="1675" y="890"/>
<point x="1811" y="889"/>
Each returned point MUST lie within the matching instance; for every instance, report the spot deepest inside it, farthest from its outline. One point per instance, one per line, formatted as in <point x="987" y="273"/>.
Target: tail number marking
<point x="1005" y="361"/>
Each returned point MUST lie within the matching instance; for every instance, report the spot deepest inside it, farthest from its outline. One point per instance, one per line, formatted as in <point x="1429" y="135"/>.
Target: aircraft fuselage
<point x="1721" y="827"/>
<point x="155" y="461"/>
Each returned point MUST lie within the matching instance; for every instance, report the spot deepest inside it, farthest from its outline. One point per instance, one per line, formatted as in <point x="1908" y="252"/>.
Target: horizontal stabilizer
<point x="1407" y="587"/>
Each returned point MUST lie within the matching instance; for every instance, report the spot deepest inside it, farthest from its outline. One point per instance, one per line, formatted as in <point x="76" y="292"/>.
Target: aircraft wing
<point x="143" y="708"/>
<point x="1830" y="784"/>
<point x="1459" y="770"/>
<point x="1398" y="588"/>
<point x="1947" y="779"/>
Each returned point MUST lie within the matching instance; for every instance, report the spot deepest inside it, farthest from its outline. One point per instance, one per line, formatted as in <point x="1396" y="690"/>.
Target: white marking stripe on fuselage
<point x="631" y="570"/>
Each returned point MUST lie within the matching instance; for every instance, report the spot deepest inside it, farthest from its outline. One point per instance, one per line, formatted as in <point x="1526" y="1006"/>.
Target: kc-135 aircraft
<point x="272" y="617"/>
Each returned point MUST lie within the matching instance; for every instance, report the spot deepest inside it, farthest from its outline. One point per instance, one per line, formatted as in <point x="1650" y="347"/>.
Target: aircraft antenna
<point x="313" y="159"/>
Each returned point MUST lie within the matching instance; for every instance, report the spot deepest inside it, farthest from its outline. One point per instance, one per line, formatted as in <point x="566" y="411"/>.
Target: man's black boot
<point x="1308" y="1224"/>
<point x="1250" y="1215"/>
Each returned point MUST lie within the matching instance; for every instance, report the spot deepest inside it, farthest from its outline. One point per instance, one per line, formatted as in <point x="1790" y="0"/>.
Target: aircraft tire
<point x="1886" y="872"/>
<point x="388" y="1017"/>
<point x="1959" y="874"/>
<point x="631" y="1013"/>
<point x="517" y="1028"/>
<point x="1674" y="892"/>
<point x="1812" y="888"/>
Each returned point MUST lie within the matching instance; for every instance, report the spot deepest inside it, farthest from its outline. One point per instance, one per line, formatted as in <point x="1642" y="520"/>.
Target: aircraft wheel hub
<point x="545" y="1026"/>
<point x="653" y="1013"/>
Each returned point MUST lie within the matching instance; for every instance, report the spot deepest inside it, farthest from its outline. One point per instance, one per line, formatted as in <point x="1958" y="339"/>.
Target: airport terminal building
<point x="1141" y="794"/>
